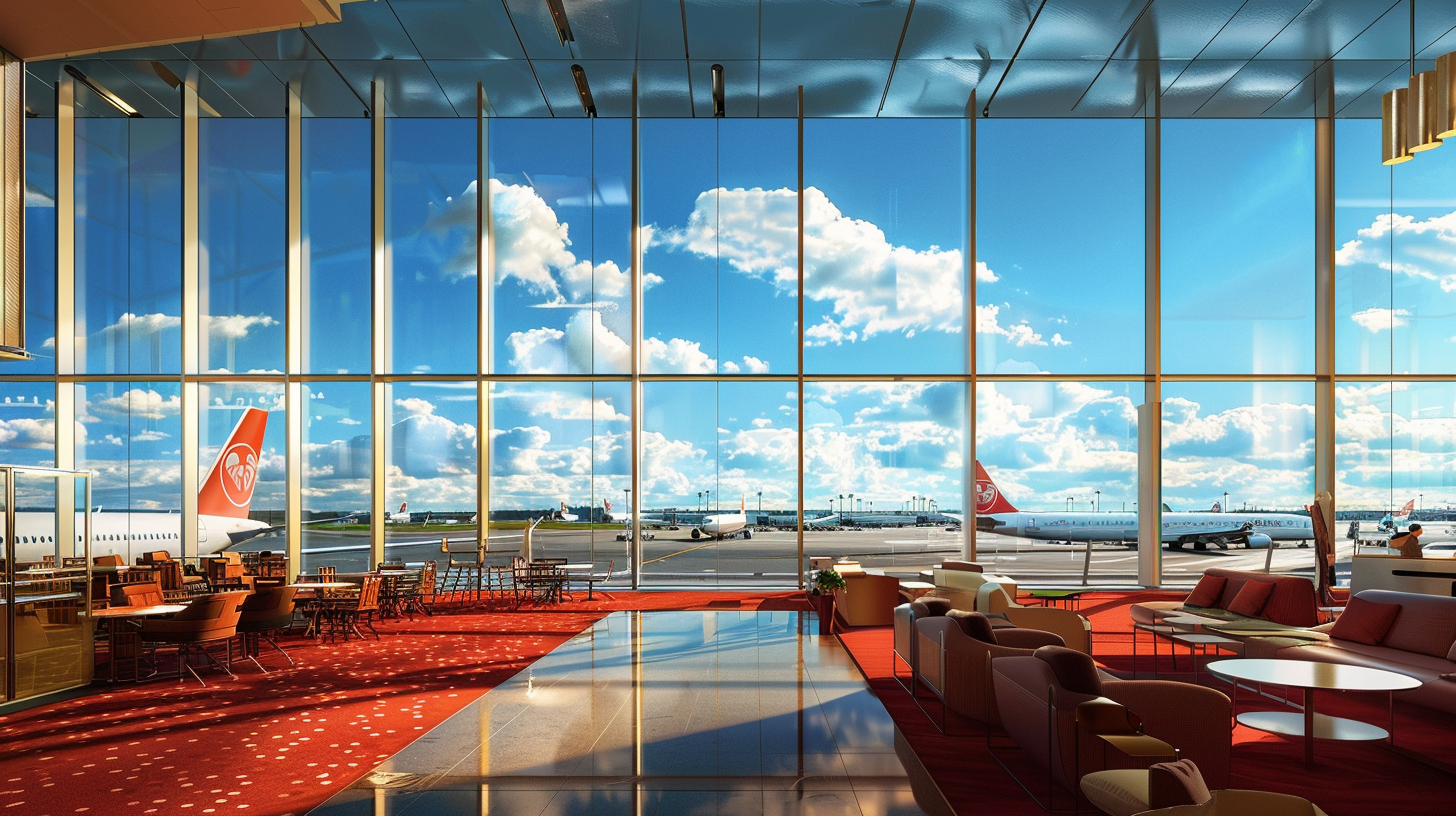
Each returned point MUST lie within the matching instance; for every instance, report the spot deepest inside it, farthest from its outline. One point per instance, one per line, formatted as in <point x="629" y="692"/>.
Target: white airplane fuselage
<point x="723" y="525"/>
<point x="130" y="534"/>
<point x="1177" y="527"/>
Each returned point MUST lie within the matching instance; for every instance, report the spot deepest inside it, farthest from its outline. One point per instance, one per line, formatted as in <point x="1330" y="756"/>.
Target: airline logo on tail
<point x="228" y="489"/>
<point x="988" y="497"/>
<point x="1409" y="506"/>
<point x="607" y="506"/>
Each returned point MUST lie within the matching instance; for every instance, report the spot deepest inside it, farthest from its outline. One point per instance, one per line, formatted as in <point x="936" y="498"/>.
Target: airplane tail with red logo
<point x="228" y="488"/>
<point x="1409" y="506"/>
<point x="988" y="496"/>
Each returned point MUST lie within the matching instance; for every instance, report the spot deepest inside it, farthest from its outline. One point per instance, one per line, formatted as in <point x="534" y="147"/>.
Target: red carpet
<point x="1350" y="779"/>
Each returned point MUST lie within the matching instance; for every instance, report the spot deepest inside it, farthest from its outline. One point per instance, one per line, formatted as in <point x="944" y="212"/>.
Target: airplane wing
<point x="822" y="521"/>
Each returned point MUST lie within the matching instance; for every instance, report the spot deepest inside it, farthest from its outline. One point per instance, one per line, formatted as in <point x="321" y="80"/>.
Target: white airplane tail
<point x="228" y="489"/>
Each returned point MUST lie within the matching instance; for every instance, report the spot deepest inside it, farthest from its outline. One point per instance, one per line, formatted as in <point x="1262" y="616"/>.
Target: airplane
<point x="562" y="515"/>
<point x="1391" y="523"/>
<point x="222" y="509"/>
<point x="399" y="516"/>
<point x="1253" y="530"/>
<point x="724" y="525"/>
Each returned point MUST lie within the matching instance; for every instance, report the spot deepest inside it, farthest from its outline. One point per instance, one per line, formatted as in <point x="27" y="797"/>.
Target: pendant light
<point x="1446" y="96"/>
<point x="1395" y="130"/>
<point x="1421" y="120"/>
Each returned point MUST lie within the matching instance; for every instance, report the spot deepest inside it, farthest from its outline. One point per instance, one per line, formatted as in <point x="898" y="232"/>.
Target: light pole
<point x="707" y="501"/>
<point x="1098" y="493"/>
<point x="1419" y="497"/>
<point x="700" y="501"/>
<point x="626" y="500"/>
<point x="1224" y="507"/>
<point x="760" y="501"/>
<point x="851" y="502"/>
<point x="841" y="509"/>
<point x="1069" y="504"/>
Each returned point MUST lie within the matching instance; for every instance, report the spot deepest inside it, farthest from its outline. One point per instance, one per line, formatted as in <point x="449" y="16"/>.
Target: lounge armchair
<point x="954" y="659"/>
<point x="1037" y="699"/>
<point x="138" y="594"/>
<point x="209" y="622"/>
<point x="1235" y="802"/>
<point x="1171" y="788"/>
<point x="907" y="639"/>
<point x="962" y="586"/>
<point x="1074" y="630"/>
<point x="265" y="613"/>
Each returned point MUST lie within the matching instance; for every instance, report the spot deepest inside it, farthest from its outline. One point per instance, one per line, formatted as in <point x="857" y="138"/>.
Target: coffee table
<point x="1311" y="676"/>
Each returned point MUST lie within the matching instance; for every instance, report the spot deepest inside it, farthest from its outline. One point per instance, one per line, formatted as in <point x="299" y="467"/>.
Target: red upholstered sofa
<point x="1291" y="603"/>
<point x="1421" y="643"/>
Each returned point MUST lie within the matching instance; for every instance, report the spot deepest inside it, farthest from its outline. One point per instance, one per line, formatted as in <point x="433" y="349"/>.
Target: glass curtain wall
<point x="882" y="420"/>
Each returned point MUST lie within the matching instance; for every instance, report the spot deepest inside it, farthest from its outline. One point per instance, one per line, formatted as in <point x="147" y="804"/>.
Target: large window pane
<point x="128" y="246"/>
<point x="241" y="221"/>
<point x="1238" y="246"/>
<point x="562" y="445"/>
<point x="430" y="226"/>
<point x="1363" y="279"/>
<point x="40" y="249"/>
<point x="430" y="482"/>
<point x="884" y="246"/>
<point x="128" y="435"/>
<point x="1060" y="246"/>
<point x="1247" y="448"/>
<point x="729" y="442"/>
<point x="220" y="407"/>
<point x="888" y="457"/>
<point x="562" y="254"/>
<point x="721" y="270"/>
<point x="338" y="462"/>
<point x="1064" y="455"/>
<point x="337" y="224"/>
<point x="28" y="424"/>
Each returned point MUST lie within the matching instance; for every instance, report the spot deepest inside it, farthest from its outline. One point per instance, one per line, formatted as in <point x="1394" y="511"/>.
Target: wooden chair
<point x="265" y="613"/>
<point x="139" y="594"/>
<point x="209" y="622"/>
<point x="346" y="614"/>
<point x="225" y="570"/>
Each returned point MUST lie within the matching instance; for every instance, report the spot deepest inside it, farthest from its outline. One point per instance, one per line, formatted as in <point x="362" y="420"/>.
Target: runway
<point x="770" y="558"/>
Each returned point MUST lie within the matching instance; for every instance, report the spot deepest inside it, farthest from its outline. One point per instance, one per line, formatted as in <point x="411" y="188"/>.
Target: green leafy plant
<point x="826" y="581"/>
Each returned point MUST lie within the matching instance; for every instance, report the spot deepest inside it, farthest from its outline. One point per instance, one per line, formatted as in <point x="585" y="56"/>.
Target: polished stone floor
<point x="658" y="713"/>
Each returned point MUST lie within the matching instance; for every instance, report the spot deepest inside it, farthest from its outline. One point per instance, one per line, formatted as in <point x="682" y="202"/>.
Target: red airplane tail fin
<point x="228" y="488"/>
<point x="1409" y="506"/>
<point x="988" y="496"/>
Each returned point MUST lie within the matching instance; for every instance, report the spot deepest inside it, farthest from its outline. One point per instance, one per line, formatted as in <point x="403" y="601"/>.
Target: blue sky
<point x="1060" y="290"/>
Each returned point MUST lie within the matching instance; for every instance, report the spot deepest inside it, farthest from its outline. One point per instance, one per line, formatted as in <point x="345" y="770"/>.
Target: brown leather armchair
<point x="957" y="667"/>
<point x="210" y="621"/>
<point x="1074" y="630"/>
<point x="1039" y="713"/>
<point x="139" y="594"/>
<point x="226" y="570"/>
<point x="264" y="614"/>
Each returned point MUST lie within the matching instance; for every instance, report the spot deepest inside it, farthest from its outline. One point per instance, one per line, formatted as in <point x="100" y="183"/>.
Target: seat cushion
<point x="1117" y="793"/>
<point x="928" y="607"/>
<point x="1426" y="623"/>
<point x="1171" y="784"/>
<point x="1207" y="592"/>
<point x="1250" y="600"/>
<point x="1152" y="612"/>
<point x="973" y="624"/>
<point x="1076" y="672"/>
<point x="1365" y="621"/>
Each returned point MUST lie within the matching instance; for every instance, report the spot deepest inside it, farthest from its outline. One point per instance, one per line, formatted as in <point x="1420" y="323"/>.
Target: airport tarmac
<point x="770" y="558"/>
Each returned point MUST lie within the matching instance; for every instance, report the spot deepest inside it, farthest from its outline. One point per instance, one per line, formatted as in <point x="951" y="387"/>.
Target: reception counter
<point x="1428" y="576"/>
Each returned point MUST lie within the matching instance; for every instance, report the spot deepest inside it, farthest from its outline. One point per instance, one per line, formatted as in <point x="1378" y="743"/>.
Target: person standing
<point x="1408" y="542"/>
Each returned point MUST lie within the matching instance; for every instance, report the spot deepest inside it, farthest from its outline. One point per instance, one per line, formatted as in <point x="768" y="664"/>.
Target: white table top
<point x="322" y="585"/>
<point x="138" y="611"/>
<point x="1310" y="674"/>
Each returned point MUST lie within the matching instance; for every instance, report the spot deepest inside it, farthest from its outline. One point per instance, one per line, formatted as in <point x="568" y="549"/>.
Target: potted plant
<point x="821" y="596"/>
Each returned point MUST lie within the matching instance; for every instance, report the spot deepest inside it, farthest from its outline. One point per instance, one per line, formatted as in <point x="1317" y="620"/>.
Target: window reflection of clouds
<point x="1395" y="442"/>
<point x="129" y="435"/>
<point x="432" y="447"/>
<point x="28" y="424"/>
<point x="337" y="448"/>
<point x="559" y="442"/>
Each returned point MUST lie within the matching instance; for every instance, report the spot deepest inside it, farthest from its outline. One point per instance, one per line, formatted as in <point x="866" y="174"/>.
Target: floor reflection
<point x="664" y="713"/>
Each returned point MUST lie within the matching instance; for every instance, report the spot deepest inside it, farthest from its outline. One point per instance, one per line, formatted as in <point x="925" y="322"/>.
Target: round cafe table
<point x="1311" y="676"/>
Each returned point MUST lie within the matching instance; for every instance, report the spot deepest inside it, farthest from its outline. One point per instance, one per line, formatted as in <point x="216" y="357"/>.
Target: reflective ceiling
<point x="902" y="58"/>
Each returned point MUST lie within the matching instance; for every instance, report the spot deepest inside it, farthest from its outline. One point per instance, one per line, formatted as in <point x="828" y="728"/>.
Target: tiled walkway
<point x="664" y="713"/>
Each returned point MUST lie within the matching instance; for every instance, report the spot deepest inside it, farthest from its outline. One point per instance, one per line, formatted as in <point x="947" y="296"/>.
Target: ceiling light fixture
<point x="558" y="18"/>
<point x="1446" y="96"/>
<point x="719" y="109"/>
<point x="101" y="91"/>
<point x="584" y="91"/>
<point x="1421" y="96"/>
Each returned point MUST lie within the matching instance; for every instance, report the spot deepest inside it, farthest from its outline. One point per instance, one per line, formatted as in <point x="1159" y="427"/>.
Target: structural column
<point x="800" y="351"/>
<point x="968" y="472"/>
<point x="1150" y="413"/>
<point x="485" y="283"/>
<point x="66" y="306"/>
<point x="636" y="340"/>
<point x="296" y="334"/>
<point x="1324" y="231"/>
<point x="381" y="335"/>
<point x="193" y="341"/>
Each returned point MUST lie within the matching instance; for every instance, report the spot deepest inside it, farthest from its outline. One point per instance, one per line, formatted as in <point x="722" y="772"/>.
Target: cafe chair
<point x="208" y="623"/>
<point x="139" y="594"/>
<point x="347" y="614"/>
<point x="266" y="613"/>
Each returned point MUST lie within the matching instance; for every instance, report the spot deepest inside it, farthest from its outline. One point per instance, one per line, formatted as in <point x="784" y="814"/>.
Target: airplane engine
<point x="696" y="534"/>
<point x="1258" y="541"/>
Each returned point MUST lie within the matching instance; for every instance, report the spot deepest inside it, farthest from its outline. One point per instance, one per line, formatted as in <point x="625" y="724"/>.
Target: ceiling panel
<point x="832" y="29"/>
<point x="510" y="87"/>
<point x="1076" y="29"/>
<point x="1256" y="88"/>
<point x="831" y="87"/>
<point x="1367" y="105"/>
<point x="1043" y="87"/>
<point x="40" y="90"/>
<point x="1323" y="29"/>
<point x="933" y="87"/>
<point x="1123" y="87"/>
<point x="410" y="87"/>
<point x="610" y="82"/>
<point x="449" y="29"/>
<point x="1252" y="28"/>
<point x="720" y="31"/>
<point x="275" y="45"/>
<point x="1177" y="29"/>
<point x="368" y="31"/>
<point x="956" y="29"/>
<point x="241" y="88"/>
<point x="532" y="21"/>
<point x="621" y="29"/>
<point x="1435" y="29"/>
<point x="1192" y="86"/>
<point x="662" y="87"/>
<point x="321" y="90"/>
